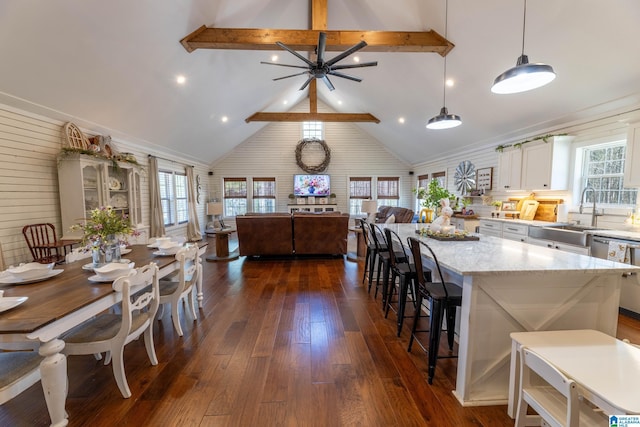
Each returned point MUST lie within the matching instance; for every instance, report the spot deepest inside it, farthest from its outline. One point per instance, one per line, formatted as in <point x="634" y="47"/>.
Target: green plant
<point x="103" y="222"/>
<point x="432" y="195"/>
<point x="496" y="203"/>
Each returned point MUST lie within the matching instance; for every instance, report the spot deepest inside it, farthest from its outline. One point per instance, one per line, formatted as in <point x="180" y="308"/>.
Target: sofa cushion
<point x="402" y="215"/>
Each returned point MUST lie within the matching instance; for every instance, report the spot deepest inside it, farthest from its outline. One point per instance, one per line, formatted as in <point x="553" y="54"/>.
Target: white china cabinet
<point x="87" y="183"/>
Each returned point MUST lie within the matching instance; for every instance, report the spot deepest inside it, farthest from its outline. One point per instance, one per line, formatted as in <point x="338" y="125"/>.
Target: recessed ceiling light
<point x="180" y="79"/>
<point x="450" y="82"/>
<point x="401" y="120"/>
<point x="356" y="59"/>
<point x="274" y="58"/>
<point x="285" y="102"/>
<point x="224" y="119"/>
<point x="339" y="102"/>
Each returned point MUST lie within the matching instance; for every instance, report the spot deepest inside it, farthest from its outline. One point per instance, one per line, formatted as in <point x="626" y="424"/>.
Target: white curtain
<point x="157" y="219"/>
<point x="193" y="226"/>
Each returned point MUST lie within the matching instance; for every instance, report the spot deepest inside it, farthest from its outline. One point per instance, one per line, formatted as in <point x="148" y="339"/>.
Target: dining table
<point x="59" y="303"/>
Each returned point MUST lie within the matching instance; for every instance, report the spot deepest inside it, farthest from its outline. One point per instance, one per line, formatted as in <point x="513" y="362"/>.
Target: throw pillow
<point x="391" y="219"/>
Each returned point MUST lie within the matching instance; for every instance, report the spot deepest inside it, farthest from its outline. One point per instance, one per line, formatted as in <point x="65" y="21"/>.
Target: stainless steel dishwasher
<point x="630" y="290"/>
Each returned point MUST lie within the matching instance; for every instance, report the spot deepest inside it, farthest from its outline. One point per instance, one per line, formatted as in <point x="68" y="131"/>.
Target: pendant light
<point x="523" y="76"/>
<point x="444" y="120"/>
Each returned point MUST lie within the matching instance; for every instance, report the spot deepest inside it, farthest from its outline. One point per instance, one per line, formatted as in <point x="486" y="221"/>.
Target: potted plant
<point x="431" y="197"/>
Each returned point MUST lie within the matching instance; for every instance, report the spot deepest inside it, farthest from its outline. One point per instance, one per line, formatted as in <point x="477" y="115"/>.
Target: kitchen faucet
<point x="593" y="212"/>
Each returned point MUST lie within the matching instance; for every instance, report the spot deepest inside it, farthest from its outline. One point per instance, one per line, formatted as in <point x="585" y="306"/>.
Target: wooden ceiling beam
<point x="317" y="117"/>
<point x="307" y="40"/>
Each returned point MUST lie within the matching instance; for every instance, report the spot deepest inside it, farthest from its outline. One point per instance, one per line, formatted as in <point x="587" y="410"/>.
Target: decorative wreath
<point x="313" y="169"/>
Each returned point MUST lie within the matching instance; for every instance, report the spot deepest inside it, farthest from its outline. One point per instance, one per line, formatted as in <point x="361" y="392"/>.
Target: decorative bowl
<point x="113" y="270"/>
<point x="31" y="270"/>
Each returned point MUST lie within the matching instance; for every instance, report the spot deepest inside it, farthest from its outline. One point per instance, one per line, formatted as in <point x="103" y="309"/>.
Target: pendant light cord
<point x="444" y="77"/>
<point x="524" y="24"/>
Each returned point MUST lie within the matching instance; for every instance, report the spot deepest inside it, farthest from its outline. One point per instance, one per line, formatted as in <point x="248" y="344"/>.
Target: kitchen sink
<point x="572" y="234"/>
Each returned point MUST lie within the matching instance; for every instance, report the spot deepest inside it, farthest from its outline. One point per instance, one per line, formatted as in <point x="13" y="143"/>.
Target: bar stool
<point x="371" y="254"/>
<point x="443" y="297"/>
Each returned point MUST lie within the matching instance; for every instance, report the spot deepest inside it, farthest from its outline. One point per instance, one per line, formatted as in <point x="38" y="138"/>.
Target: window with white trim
<point x="173" y="196"/>
<point x="359" y="190"/>
<point x="312" y="130"/>
<point x="603" y="169"/>
<point x="235" y="196"/>
<point x="264" y="195"/>
<point x="388" y="191"/>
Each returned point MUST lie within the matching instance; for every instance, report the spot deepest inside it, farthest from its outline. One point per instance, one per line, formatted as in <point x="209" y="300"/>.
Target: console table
<point x="222" y="244"/>
<point x="312" y="208"/>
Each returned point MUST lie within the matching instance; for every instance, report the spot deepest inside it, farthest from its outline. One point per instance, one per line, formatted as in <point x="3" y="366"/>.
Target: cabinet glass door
<point x="118" y="189"/>
<point x="92" y="187"/>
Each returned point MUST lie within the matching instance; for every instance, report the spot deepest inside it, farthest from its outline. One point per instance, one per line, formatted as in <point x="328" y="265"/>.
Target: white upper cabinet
<point x="545" y="165"/>
<point x="632" y="161"/>
<point x="509" y="166"/>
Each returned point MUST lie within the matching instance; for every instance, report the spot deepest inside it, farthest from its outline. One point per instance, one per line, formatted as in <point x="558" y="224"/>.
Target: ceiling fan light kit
<point x="524" y="76"/>
<point x="444" y="120"/>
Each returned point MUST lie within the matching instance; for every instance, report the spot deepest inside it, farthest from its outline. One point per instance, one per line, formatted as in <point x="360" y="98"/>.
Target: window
<point x="235" y="196"/>
<point x="441" y="177"/>
<point x="423" y="182"/>
<point x="264" y="194"/>
<point x="173" y="196"/>
<point x="359" y="190"/>
<point x="312" y="130"/>
<point x="603" y="169"/>
<point x="388" y="191"/>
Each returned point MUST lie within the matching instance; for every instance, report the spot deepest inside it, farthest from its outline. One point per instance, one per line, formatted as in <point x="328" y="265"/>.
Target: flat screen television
<point x="311" y="185"/>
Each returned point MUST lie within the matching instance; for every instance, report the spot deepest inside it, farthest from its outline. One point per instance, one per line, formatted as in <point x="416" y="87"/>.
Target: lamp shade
<point x="523" y="77"/>
<point x="444" y="120"/>
<point x="214" y="208"/>
<point x="369" y="206"/>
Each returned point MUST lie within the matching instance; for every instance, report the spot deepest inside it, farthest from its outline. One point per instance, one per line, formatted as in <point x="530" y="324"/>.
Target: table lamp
<point x="215" y="209"/>
<point x="370" y="207"/>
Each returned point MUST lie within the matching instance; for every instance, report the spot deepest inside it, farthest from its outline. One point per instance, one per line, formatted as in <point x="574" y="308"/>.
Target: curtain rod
<point x="172" y="161"/>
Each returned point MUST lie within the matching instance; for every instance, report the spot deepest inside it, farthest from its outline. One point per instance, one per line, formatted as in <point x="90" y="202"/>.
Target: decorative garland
<point x="313" y="169"/>
<point x="545" y="138"/>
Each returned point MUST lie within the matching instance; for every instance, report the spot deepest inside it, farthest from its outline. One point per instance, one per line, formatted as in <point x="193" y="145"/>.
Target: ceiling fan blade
<point x="296" y="54"/>
<point x="284" y="65"/>
<point x="364" y="64"/>
<point x="322" y="45"/>
<point x="346" y="53"/>
<point x="345" y="76"/>
<point x="307" y="83"/>
<point x="291" y="75"/>
<point x="328" y="82"/>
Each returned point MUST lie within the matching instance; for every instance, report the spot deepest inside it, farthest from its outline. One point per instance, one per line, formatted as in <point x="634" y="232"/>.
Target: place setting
<point x="111" y="271"/>
<point x="27" y="273"/>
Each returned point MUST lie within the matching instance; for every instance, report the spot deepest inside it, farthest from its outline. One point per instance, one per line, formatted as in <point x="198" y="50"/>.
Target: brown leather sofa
<point x="401" y="215"/>
<point x="298" y="234"/>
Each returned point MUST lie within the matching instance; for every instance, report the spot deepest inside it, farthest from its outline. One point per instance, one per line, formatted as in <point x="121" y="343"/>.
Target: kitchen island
<point x="510" y="286"/>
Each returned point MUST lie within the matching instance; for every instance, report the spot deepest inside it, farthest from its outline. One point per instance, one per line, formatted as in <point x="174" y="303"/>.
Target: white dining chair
<point x="19" y="370"/>
<point x="182" y="286"/>
<point x="556" y="399"/>
<point x="110" y="332"/>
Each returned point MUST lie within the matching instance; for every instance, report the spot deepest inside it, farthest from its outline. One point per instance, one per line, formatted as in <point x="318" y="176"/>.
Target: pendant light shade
<point x="523" y="76"/>
<point x="444" y="120"/>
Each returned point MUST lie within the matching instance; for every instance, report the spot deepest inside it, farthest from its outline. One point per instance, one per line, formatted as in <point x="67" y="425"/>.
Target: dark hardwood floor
<point x="278" y="342"/>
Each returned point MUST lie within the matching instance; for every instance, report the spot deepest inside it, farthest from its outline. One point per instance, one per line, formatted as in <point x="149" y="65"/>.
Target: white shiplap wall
<point x="271" y="152"/>
<point x="29" y="146"/>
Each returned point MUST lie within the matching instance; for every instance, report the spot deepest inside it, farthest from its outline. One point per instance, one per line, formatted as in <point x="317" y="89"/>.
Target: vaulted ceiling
<point x="112" y="66"/>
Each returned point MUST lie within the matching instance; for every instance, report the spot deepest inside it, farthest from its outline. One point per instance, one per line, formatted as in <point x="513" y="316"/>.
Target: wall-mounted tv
<point x="311" y="185"/>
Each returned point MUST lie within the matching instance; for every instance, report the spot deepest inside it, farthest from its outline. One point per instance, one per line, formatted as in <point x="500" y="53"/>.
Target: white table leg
<point x="200" y="294"/>
<point x="53" y="373"/>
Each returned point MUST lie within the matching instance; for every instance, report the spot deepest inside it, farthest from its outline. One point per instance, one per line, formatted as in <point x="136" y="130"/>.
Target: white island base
<point x="510" y="286"/>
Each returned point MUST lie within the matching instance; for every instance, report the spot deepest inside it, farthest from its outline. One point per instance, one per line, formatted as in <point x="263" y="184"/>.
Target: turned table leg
<point x="53" y="373"/>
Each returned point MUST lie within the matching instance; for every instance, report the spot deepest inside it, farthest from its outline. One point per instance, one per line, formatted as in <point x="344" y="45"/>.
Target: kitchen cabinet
<point x="509" y="168"/>
<point x="545" y="165"/>
<point x="491" y="228"/>
<point x="517" y="232"/>
<point x="466" y="224"/>
<point x="583" y="250"/>
<point x="87" y="182"/>
<point x="632" y="160"/>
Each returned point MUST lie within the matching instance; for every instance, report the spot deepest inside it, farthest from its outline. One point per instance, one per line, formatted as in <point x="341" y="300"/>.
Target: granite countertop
<point x="520" y="221"/>
<point x="493" y="255"/>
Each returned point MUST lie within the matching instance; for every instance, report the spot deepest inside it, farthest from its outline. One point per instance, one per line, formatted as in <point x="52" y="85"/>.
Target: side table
<point x="222" y="245"/>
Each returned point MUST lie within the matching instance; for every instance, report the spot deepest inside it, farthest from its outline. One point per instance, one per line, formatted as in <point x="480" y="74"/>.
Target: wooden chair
<point x="43" y="243"/>
<point x="110" y="332"/>
<point x="444" y="298"/>
<point x="19" y="370"/>
<point x="173" y="291"/>
<point x="556" y="400"/>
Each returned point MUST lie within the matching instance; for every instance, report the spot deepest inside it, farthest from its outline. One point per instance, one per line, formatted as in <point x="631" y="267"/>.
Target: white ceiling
<point x="111" y="65"/>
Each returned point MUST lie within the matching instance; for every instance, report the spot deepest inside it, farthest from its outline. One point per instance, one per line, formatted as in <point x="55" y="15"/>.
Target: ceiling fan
<point x="322" y="69"/>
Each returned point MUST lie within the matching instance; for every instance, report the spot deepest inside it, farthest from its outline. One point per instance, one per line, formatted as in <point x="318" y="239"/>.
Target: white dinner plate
<point x="98" y="279"/>
<point x="7" y="303"/>
<point x="90" y="267"/>
<point x="9" y="279"/>
<point x="162" y="253"/>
